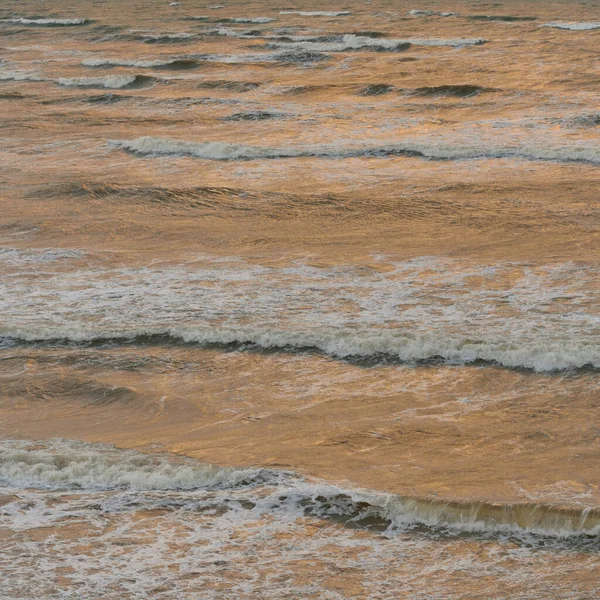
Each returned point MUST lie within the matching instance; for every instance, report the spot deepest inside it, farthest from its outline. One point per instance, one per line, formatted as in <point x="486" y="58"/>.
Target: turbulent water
<point x="299" y="301"/>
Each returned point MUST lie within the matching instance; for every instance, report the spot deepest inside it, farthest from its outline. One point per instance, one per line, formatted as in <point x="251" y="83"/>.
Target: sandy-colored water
<point x="360" y="251"/>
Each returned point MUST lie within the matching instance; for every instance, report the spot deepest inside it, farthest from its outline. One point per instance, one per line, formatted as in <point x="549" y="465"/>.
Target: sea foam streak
<point x="153" y="146"/>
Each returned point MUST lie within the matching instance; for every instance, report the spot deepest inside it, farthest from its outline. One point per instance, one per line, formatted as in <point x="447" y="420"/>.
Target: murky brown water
<point x="347" y="253"/>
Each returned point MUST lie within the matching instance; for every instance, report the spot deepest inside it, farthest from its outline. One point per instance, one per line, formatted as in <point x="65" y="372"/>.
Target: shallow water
<point x="299" y="301"/>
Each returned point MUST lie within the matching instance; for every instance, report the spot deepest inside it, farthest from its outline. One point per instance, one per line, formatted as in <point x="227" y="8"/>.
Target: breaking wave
<point x="430" y="13"/>
<point x="257" y="20"/>
<point x="153" y="146"/>
<point x="460" y="91"/>
<point x="504" y="18"/>
<point x="20" y="76"/>
<point x="76" y="466"/>
<point x="574" y="26"/>
<point x="232" y="86"/>
<point x="47" y="22"/>
<point x="350" y="42"/>
<point x="167" y="38"/>
<point x="377" y="89"/>
<point x="316" y="13"/>
<point x="372" y="345"/>
<point x="254" y="115"/>
<point x="113" y="82"/>
<point x="81" y="467"/>
<point x="174" y="63"/>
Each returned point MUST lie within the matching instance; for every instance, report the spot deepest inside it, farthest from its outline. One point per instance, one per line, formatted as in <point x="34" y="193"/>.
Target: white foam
<point x="112" y="82"/>
<point x="430" y="13"/>
<point x="316" y="13"/>
<point x="48" y="22"/>
<point x="574" y="26"/>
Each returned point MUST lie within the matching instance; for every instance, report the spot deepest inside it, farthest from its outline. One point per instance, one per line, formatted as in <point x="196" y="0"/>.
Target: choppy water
<point x="299" y="301"/>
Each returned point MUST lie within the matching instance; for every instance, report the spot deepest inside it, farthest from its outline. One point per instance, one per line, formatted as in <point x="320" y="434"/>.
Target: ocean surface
<point x="299" y="300"/>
